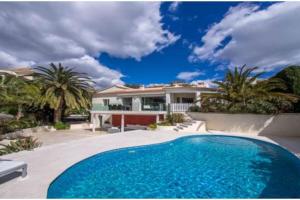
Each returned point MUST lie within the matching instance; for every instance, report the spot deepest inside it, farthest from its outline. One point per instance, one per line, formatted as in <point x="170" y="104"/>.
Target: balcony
<point x="154" y="107"/>
<point x="174" y="107"/>
<point x="119" y="107"/>
<point x="112" y="107"/>
<point x="180" y="107"/>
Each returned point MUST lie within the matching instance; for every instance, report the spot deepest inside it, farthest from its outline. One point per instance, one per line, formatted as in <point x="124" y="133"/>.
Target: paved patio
<point x="47" y="162"/>
<point x="56" y="137"/>
<point x="62" y="136"/>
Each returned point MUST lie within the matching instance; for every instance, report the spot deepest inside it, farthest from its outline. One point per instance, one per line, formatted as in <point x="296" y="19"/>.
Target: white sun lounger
<point x="10" y="166"/>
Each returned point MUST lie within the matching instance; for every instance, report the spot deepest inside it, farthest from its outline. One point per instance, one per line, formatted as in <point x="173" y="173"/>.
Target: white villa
<point x="120" y="105"/>
<point x="25" y="72"/>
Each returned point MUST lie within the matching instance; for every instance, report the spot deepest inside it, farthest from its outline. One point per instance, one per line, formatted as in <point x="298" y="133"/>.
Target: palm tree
<point x="62" y="87"/>
<point x="291" y="77"/>
<point x="242" y="91"/>
<point x="19" y="92"/>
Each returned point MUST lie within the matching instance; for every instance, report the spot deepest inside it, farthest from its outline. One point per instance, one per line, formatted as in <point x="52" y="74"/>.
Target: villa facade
<point x="120" y="105"/>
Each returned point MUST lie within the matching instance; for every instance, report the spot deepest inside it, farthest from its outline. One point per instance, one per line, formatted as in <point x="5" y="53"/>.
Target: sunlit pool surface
<point x="189" y="167"/>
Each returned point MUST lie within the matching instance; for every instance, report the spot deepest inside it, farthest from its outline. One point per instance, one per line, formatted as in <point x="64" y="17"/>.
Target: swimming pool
<point x="203" y="166"/>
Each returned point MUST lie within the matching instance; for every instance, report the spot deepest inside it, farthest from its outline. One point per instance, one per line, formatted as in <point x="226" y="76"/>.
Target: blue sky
<point x="151" y="42"/>
<point x="190" y="20"/>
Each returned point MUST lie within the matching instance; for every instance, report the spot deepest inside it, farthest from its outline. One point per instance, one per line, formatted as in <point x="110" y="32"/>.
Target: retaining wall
<point x="254" y="124"/>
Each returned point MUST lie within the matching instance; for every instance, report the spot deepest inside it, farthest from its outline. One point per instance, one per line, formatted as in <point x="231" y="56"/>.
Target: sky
<point x="151" y="42"/>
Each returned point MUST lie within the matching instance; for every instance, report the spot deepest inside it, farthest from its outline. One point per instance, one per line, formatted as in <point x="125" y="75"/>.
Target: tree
<point x="133" y="85"/>
<point x="62" y="87"/>
<point x="291" y="77"/>
<point x="242" y="91"/>
<point x="19" y="92"/>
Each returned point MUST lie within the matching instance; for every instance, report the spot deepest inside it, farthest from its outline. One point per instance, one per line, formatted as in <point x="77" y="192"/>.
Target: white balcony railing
<point x="180" y="107"/>
<point x="174" y="107"/>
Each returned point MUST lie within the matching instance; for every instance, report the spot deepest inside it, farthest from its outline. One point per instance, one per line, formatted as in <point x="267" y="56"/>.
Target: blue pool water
<point x="189" y="167"/>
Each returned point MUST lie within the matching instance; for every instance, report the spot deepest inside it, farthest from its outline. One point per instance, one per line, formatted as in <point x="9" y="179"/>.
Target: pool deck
<point x="47" y="162"/>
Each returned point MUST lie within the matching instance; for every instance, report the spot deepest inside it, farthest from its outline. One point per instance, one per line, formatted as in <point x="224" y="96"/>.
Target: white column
<point x="168" y="101"/>
<point x="97" y="120"/>
<point x="139" y="103"/>
<point x="157" y="118"/>
<point x="93" y="122"/>
<point x="168" y="98"/>
<point x="136" y="103"/>
<point x="122" y="123"/>
<point x="198" y="98"/>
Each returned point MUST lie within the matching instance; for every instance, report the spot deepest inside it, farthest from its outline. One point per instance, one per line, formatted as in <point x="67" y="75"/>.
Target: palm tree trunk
<point x="57" y="115"/>
<point x="58" y="112"/>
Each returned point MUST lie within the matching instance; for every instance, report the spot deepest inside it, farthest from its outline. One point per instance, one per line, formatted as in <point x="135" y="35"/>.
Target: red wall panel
<point x="135" y="119"/>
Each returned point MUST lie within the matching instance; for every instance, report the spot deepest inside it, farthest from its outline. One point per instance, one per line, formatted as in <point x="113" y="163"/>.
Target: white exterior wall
<point x="252" y="124"/>
<point x="112" y="100"/>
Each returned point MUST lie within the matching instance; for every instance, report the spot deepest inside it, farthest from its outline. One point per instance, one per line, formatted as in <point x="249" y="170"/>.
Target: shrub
<point x="61" y="126"/>
<point x="152" y="126"/>
<point x="8" y="126"/>
<point x="173" y="119"/>
<point x="26" y="143"/>
<point x="165" y="123"/>
<point x="291" y="78"/>
<point x="177" y="118"/>
<point x="195" y="108"/>
<point x="12" y="110"/>
<point x="169" y="119"/>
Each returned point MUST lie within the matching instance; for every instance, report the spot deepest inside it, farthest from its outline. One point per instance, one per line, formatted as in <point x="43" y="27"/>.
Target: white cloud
<point x="39" y="32"/>
<point x="221" y="68"/>
<point x="267" y="38"/>
<point x="173" y="17"/>
<point x="174" y="6"/>
<point x="6" y="60"/>
<point x="102" y="75"/>
<point x="187" y="76"/>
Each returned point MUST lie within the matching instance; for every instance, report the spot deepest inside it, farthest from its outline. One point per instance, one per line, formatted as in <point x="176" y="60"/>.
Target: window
<point x="187" y="100"/>
<point x="153" y="103"/>
<point x="106" y="102"/>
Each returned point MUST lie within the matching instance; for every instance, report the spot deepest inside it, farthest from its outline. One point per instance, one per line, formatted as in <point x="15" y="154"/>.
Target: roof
<point x="113" y="88"/>
<point x="20" y="71"/>
<point x="143" y="90"/>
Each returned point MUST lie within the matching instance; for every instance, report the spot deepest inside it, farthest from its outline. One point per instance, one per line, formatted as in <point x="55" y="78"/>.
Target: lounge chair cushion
<point x="9" y="166"/>
<point x="113" y="130"/>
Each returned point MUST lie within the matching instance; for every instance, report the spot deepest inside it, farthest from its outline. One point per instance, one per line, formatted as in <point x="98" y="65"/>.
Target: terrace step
<point x="188" y="124"/>
<point x="183" y="125"/>
<point x="199" y="126"/>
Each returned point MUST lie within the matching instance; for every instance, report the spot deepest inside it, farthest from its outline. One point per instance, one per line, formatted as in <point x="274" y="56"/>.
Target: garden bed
<point x="25" y="132"/>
